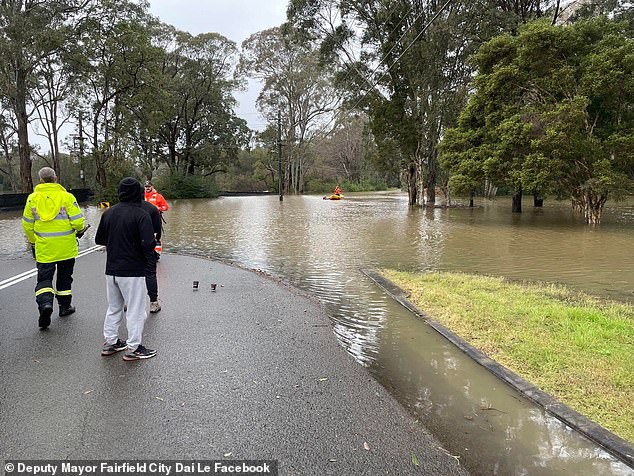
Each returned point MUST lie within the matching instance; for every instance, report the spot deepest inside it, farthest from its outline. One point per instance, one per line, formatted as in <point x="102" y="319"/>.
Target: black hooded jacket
<point x="155" y="216"/>
<point x="127" y="233"/>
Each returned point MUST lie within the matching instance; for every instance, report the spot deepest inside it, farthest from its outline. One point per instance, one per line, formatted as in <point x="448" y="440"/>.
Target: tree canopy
<point x="355" y="90"/>
<point x="553" y="112"/>
<point x="405" y="64"/>
<point x="141" y="94"/>
<point x="296" y="86"/>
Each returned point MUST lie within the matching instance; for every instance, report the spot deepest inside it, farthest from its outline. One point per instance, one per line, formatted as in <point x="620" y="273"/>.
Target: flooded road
<point x="319" y="246"/>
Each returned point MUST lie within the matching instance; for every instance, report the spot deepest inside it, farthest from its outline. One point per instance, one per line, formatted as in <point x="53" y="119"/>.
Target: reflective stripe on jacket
<point x="157" y="200"/>
<point x="50" y="219"/>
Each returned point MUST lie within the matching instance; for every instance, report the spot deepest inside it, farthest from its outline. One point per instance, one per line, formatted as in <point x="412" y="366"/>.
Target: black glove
<point x="33" y="249"/>
<point x="80" y="233"/>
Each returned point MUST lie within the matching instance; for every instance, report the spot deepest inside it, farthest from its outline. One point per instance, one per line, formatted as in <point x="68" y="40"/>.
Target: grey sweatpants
<point x="131" y="291"/>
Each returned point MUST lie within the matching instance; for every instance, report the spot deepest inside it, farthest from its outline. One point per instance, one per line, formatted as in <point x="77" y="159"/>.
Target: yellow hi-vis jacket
<point x="50" y="219"/>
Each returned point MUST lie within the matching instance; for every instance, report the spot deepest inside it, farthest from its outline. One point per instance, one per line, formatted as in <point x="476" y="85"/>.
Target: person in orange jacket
<point x="338" y="190"/>
<point x="155" y="198"/>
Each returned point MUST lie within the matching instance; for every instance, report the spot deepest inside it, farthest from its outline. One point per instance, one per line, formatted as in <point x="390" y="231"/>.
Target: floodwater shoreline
<point x="612" y="443"/>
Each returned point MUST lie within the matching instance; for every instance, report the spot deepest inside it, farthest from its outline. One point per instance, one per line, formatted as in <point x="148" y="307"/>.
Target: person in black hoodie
<point x="127" y="233"/>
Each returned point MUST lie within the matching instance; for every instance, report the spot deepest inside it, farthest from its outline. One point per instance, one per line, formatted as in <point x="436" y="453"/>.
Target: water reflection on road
<point x="320" y="245"/>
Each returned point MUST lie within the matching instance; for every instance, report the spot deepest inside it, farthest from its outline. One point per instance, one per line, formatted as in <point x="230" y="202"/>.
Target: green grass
<point x="578" y="348"/>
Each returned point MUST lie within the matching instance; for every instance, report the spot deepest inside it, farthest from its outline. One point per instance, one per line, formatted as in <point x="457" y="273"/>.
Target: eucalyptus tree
<point x="151" y="106"/>
<point x="31" y="32"/>
<point x="554" y="110"/>
<point x="197" y="130"/>
<point x="402" y="62"/>
<point x="343" y="151"/>
<point x="297" y="88"/>
<point x="265" y="150"/>
<point x="116" y="63"/>
<point x="9" y="146"/>
<point x="49" y="97"/>
<point x="411" y="75"/>
<point x="619" y="10"/>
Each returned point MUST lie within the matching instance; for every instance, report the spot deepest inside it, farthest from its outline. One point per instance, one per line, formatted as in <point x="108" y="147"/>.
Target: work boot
<point x="155" y="307"/>
<point x="66" y="310"/>
<point x="45" y="315"/>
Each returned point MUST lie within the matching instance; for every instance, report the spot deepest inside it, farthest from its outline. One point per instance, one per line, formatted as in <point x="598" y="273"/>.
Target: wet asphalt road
<point x="250" y="371"/>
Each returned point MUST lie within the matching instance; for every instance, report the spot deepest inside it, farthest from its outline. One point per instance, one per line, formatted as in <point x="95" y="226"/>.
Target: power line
<point x="417" y="36"/>
<point x="391" y="12"/>
<point x="373" y="85"/>
<point x="386" y="54"/>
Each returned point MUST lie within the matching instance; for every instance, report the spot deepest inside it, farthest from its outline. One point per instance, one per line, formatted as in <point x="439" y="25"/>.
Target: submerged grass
<point x="573" y="346"/>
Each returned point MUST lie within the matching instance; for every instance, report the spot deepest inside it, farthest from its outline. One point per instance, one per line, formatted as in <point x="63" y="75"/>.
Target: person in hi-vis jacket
<point x="51" y="221"/>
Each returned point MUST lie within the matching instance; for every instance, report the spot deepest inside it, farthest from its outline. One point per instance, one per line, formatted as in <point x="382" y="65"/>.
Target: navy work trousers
<point x="44" y="292"/>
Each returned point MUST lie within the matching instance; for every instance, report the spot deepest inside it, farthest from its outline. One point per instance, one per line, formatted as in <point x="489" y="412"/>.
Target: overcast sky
<point x="234" y="19"/>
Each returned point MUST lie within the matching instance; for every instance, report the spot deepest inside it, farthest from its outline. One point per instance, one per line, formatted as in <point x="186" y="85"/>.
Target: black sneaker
<point x="109" y="349"/>
<point x="66" y="311"/>
<point x="140" y="353"/>
<point x="45" y="316"/>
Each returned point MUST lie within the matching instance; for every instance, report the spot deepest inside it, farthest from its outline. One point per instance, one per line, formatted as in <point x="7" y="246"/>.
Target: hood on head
<point x="130" y="190"/>
<point x="48" y="200"/>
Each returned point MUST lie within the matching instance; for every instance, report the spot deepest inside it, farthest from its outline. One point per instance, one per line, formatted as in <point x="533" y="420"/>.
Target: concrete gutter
<point x="612" y="443"/>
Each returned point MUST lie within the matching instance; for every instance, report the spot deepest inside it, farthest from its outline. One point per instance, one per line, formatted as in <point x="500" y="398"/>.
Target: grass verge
<point x="574" y="346"/>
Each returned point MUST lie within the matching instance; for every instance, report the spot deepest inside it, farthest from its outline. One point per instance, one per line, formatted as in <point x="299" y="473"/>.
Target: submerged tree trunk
<point x="431" y="191"/>
<point x="471" y="196"/>
<point x="445" y="192"/>
<point x="538" y="200"/>
<point x="592" y="204"/>
<point x="411" y="176"/>
<point x="490" y="190"/>
<point x="421" y="192"/>
<point x="517" y="201"/>
<point x="431" y="179"/>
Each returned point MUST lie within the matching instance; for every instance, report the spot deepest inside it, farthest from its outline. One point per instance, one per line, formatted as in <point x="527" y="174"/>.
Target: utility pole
<point x="279" y="154"/>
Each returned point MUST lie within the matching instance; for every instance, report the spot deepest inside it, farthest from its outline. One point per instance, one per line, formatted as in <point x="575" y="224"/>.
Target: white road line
<point x="16" y="276"/>
<point x="32" y="273"/>
<point x="29" y="274"/>
<point x="89" y="250"/>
